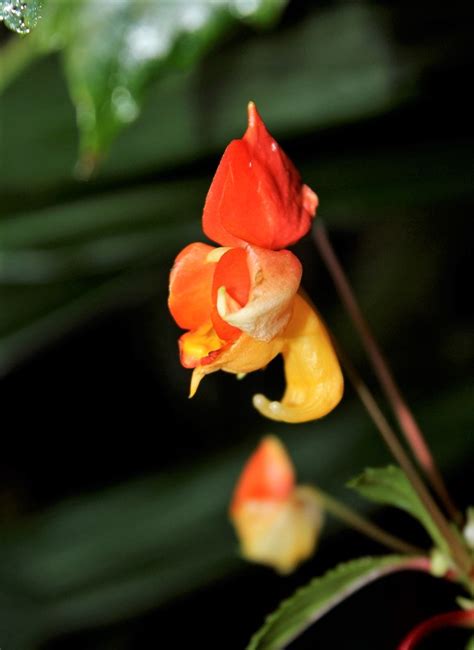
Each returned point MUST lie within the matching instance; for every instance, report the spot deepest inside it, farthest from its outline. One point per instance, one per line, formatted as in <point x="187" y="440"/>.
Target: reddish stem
<point x="406" y="420"/>
<point x="459" y="553"/>
<point x="458" y="618"/>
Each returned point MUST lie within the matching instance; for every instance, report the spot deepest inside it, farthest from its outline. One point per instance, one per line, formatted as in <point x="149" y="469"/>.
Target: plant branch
<point x="363" y="525"/>
<point x="458" y="618"/>
<point x="459" y="553"/>
<point x="406" y="420"/>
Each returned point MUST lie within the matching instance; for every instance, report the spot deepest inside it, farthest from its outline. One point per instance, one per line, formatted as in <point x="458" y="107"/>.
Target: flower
<point x="277" y="523"/>
<point x="239" y="301"/>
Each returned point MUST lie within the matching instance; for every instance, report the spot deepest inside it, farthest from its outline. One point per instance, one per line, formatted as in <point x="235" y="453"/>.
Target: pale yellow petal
<point x="280" y="534"/>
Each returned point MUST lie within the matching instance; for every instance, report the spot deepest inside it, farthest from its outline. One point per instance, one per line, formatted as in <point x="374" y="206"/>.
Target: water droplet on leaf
<point x="18" y="16"/>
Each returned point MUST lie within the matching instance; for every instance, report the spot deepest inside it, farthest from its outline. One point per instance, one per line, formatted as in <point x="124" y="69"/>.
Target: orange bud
<point x="257" y="196"/>
<point x="277" y="523"/>
<point x="268" y="475"/>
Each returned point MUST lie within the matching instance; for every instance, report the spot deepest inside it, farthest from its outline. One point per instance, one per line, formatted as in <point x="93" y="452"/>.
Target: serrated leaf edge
<point x="383" y="566"/>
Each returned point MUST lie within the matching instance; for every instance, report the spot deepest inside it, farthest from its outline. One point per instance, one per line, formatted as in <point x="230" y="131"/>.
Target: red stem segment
<point x="449" y="619"/>
<point x="406" y="420"/>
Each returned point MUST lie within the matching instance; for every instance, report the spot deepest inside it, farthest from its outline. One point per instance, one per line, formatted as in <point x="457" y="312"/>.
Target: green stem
<point x="363" y="525"/>
<point x="459" y="553"/>
<point x="406" y="420"/>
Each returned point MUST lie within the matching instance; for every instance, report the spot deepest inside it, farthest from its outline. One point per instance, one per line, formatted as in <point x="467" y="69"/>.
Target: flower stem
<point x="363" y="525"/>
<point x="457" y="618"/>
<point x="406" y="420"/>
<point x="459" y="553"/>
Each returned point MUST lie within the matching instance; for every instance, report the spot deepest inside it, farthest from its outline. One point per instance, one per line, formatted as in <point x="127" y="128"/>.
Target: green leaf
<point x="113" y="50"/>
<point x="327" y="81"/>
<point x="312" y="602"/>
<point x="390" y="486"/>
<point x="470" y="644"/>
<point x="21" y="16"/>
<point x="193" y="109"/>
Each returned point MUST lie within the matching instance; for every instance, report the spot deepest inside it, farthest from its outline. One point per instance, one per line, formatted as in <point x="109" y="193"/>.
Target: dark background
<point x="114" y="487"/>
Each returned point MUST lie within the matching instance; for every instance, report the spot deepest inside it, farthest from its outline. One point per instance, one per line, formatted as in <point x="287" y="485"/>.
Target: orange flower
<point x="277" y="523"/>
<point x="239" y="302"/>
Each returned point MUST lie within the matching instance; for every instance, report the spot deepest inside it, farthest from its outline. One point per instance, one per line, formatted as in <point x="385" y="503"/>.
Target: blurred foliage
<point x="368" y="99"/>
<point x="112" y="51"/>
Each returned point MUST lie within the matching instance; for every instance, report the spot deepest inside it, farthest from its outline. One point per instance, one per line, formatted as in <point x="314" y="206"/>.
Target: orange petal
<point x="190" y="298"/>
<point x="268" y="474"/>
<point x="280" y="534"/>
<point x="275" y="278"/>
<point x="314" y="382"/>
<point x="256" y="195"/>
<point x="232" y="273"/>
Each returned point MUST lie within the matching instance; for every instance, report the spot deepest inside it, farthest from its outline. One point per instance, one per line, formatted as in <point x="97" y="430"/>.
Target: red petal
<point x="268" y="474"/>
<point x="232" y="273"/>
<point x="274" y="278"/>
<point x="190" y="299"/>
<point x="256" y="195"/>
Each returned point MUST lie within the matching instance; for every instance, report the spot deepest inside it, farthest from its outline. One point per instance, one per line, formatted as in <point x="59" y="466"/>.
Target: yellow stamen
<point x="198" y="344"/>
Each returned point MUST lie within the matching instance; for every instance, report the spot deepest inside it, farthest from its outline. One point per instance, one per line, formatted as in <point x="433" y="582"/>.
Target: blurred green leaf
<point x="61" y="266"/>
<point x="302" y="78"/>
<point x="312" y="602"/>
<point x="33" y="317"/>
<point x="121" y="212"/>
<point x="21" y="16"/>
<point x="390" y="486"/>
<point x="113" y="50"/>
